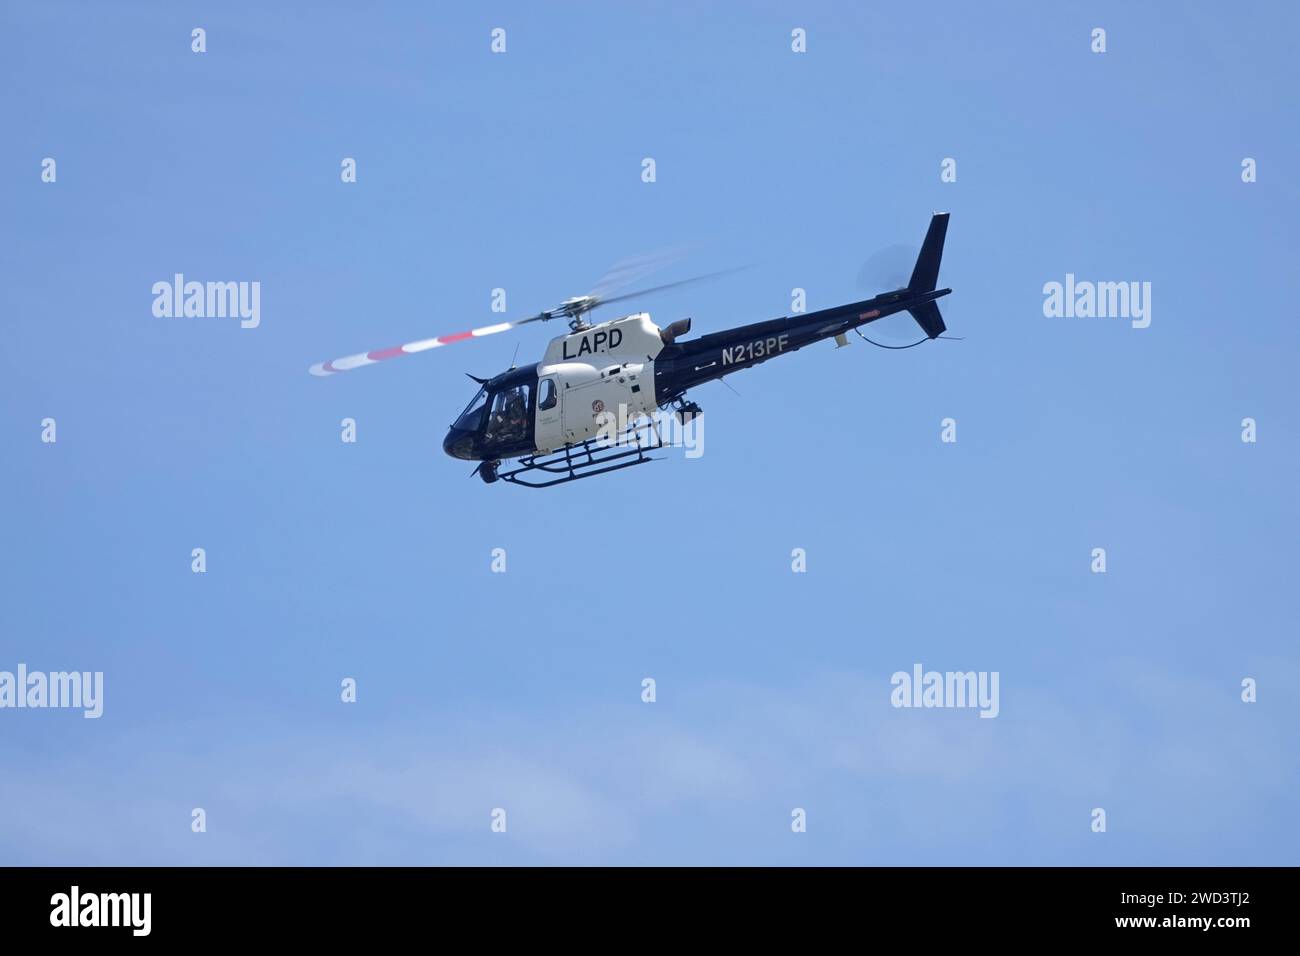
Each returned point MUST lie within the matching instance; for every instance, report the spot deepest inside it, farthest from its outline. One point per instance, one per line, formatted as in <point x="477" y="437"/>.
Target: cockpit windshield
<point x="472" y="417"/>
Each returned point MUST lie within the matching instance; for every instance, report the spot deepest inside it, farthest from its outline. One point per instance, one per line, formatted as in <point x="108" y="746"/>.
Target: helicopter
<point x="544" y="424"/>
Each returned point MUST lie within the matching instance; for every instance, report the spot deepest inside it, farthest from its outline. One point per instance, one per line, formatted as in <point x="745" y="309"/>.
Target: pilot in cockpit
<point x="516" y="416"/>
<point x="510" y="422"/>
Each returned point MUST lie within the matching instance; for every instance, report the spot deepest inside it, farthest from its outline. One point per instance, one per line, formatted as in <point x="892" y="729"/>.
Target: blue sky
<point x="522" y="690"/>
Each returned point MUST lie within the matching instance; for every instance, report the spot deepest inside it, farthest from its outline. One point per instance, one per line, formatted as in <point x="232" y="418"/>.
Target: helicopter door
<point x="584" y="405"/>
<point x="550" y="435"/>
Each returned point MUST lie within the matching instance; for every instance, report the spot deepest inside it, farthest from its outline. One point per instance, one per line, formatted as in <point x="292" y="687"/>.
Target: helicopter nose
<point x="459" y="443"/>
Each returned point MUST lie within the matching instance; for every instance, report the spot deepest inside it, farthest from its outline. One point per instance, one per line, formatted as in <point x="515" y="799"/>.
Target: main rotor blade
<point x="670" y="285"/>
<point x="410" y="348"/>
<point x="616" y="278"/>
<point x="626" y="271"/>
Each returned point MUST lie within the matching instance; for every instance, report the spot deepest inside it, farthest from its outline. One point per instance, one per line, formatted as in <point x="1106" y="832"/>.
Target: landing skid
<point x="595" y="456"/>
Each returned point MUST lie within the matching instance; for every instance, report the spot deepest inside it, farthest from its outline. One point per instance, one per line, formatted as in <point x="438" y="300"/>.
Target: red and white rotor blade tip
<point x="410" y="348"/>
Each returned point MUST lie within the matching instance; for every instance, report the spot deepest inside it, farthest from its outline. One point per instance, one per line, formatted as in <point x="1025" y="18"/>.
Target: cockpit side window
<point x="549" y="395"/>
